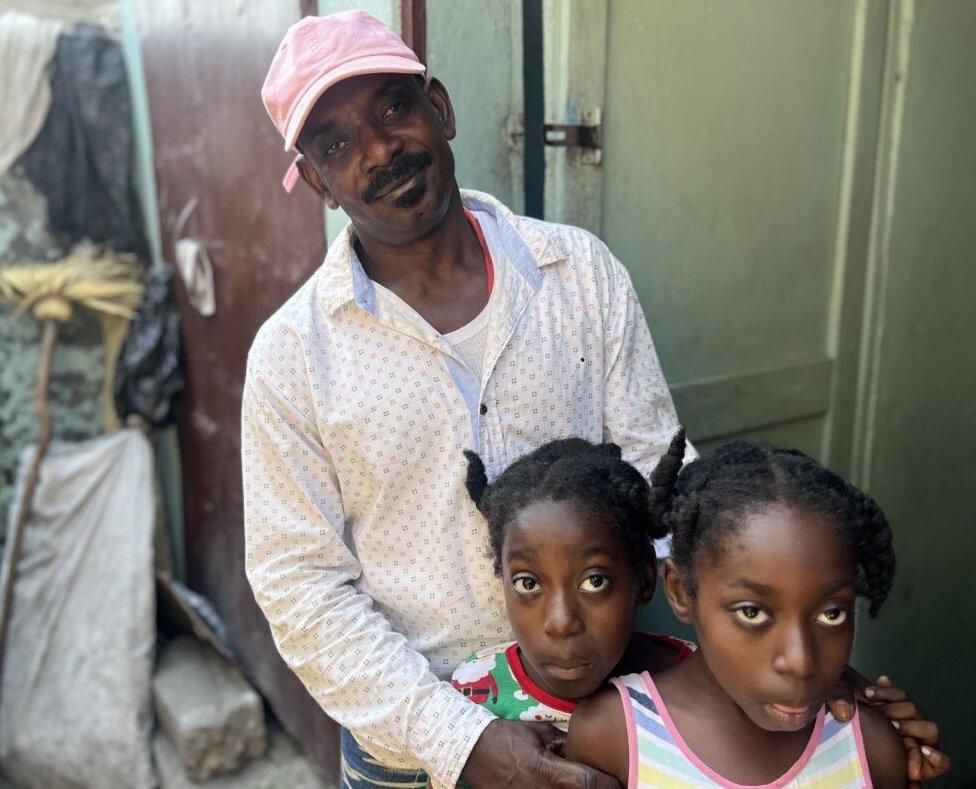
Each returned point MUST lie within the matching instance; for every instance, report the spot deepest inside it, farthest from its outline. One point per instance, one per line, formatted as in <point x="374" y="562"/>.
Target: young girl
<point x="571" y="528"/>
<point x="770" y="550"/>
<point x="571" y="532"/>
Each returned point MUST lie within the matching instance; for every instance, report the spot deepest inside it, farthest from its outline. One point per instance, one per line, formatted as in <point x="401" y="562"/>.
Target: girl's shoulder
<point x="883" y="748"/>
<point x="598" y="734"/>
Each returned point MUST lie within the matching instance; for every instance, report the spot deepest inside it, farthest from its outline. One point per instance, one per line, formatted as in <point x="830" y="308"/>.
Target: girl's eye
<point x="595" y="583"/>
<point x="526" y="584"/>
<point x="833" y="617"/>
<point x="751" y="615"/>
<point x="334" y="147"/>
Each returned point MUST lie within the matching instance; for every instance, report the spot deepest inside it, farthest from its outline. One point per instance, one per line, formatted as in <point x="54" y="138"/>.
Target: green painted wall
<point x="724" y="126"/>
<point x="920" y="426"/>
<point x="474" y="48"/>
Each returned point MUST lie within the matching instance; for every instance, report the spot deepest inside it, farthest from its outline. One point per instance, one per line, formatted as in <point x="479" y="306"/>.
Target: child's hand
<point x="919" y="735"/>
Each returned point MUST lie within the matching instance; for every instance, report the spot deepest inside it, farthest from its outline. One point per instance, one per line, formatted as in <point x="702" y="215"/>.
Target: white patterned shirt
<point x="363" y="548"/>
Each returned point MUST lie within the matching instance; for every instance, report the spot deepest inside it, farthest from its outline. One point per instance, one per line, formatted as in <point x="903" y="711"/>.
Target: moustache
<point x="405" y="166"/>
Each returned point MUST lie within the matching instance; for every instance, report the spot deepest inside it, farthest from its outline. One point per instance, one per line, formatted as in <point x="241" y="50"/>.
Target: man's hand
<point x="509" y="753"/>
<point x="919" y="735"/>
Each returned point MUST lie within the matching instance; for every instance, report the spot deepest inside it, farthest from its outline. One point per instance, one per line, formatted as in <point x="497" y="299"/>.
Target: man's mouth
<point x="398" y="178"/>
<point x="399" y="188"/>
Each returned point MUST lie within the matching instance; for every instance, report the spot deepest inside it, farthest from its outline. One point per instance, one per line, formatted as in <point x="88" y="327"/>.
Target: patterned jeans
<point x="360" y="770"/>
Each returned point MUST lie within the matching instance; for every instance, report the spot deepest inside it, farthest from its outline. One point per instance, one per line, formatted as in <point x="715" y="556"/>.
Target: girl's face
<point x="774" y="614"/>
<point x="571" y="592"/>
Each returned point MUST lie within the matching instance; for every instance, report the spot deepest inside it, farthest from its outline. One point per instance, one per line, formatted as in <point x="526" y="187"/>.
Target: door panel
<point x="723" y="152"/>
<point x="204" y="66"/>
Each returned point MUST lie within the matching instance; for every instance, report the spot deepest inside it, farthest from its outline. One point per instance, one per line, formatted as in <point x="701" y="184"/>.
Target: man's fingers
<point x="884" y="694"/>
<point x="926" y="732"/>
<point x="903" y="711"/>
<point x="914" y="761"/>
<point x="841" y="703"/>
<point x="562" y="774"/>
<point x="936" y="763"/>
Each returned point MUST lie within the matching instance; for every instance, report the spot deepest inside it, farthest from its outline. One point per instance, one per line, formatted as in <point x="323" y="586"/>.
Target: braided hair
<point x="570" y="468"/>
<point x="703" y="503"/>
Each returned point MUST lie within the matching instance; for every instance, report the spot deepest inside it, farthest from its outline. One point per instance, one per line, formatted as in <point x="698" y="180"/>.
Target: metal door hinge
<point x="586" y="137"/>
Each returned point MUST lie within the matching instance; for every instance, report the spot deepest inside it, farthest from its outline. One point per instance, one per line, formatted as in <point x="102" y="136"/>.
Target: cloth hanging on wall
<point x="27" y="45"/>
<point x="82" y="160"/>
<point x="76" y="705"/>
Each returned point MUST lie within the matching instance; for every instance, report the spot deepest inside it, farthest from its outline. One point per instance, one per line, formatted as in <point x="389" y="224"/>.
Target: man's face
<point x="378" y="147"/>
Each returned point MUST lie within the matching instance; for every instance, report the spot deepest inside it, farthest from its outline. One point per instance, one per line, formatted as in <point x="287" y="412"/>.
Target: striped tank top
<point x="659" y="756"/>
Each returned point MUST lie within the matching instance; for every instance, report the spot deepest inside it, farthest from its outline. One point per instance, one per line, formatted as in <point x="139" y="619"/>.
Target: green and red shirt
<point x="496" y="679"/>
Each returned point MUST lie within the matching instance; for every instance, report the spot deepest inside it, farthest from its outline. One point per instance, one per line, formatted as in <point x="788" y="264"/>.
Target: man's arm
<point x="362" y="672"/>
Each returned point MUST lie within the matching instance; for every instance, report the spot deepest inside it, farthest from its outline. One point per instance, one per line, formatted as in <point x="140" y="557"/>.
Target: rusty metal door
<point x="219" y="163"/>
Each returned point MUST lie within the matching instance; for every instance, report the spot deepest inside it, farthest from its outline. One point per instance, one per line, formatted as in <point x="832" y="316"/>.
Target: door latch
<point x="586" y="137"/>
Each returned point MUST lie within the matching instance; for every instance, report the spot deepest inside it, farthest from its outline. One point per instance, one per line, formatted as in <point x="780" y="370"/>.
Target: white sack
<point x="75" y="709"/>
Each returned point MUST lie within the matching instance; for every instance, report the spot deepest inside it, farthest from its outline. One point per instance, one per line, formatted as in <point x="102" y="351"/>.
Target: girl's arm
<point x="886" y="755"/>
<point x="598" y="735"/>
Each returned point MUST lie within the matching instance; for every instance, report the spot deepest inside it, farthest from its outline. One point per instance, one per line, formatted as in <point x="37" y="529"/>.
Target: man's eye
<point x="526" y="584"/>
<point x="395" y="109"/>
<point x="751" y="615"/>
<point x="595" y="583"/>
<point x="833" y="617"/>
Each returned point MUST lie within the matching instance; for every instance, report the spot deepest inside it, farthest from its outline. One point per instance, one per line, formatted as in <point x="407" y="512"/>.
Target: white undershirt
<point x="470" y="340"/>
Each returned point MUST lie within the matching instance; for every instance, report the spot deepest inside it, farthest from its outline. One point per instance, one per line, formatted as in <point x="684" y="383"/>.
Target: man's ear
<point x="311" y="176"/>
<point x="648" y="580"/>
<point x="678" y="594"/>
<point x="437" y="94"/>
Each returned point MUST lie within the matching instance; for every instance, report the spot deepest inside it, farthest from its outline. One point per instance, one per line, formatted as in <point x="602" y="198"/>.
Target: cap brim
<point x="376" y="64"/>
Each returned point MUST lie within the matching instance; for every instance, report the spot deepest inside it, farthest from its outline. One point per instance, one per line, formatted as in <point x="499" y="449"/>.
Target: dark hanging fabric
<point x="82" y="160"/>
<point x="149" y="374"/>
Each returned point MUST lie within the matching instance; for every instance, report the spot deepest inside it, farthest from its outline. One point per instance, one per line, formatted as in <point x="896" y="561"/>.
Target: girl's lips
<point x="568" y="673"/>
<point x="790" y="710"/>
<point x="790" y="717"/>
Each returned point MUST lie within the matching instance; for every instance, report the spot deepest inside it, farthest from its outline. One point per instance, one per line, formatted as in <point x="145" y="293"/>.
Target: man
<point x="438" y="322"/>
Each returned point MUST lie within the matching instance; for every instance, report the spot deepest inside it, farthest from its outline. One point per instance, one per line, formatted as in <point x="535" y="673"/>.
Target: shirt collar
<point x="530" y="244"/>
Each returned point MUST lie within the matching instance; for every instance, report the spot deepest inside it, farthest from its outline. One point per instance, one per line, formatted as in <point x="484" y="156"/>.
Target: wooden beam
<point x="413" y="26"/>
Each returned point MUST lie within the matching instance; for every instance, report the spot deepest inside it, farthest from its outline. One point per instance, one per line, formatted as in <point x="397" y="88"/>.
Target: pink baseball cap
<point x="320" y="51"/>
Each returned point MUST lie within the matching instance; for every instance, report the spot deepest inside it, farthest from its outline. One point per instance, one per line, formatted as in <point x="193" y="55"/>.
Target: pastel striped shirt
<point x="659" y="756"/>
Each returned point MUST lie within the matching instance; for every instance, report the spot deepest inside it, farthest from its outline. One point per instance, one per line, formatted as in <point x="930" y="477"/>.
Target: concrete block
<point x="211" y="715"/>
<point x="283" y="767"/>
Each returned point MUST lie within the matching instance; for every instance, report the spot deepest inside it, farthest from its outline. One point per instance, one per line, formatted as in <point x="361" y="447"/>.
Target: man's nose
<point x="378" y="146"/>
<point x="563" y="618"/>
<point x="796" y="653"/>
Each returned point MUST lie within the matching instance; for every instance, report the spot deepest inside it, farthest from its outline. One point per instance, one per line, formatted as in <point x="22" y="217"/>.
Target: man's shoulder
<point x="546" y="240"/>
<point x="283" y="332"/>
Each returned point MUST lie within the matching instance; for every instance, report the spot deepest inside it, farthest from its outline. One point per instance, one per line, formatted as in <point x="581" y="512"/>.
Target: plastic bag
<point x="76" y="709"/>
<point x="149" y="372"/>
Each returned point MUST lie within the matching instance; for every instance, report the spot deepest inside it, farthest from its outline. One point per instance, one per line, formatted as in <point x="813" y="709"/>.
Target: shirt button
<point x="484" y="409"/>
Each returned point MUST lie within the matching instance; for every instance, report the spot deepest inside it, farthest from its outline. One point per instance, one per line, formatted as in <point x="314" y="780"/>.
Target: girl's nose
<point x="563" y="618"/>
<point x="796" y="654"/>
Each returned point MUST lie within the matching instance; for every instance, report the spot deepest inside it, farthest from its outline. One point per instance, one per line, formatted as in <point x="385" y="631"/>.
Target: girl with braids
<point x="769" y="551"/>
<point x="571" y="532"/>
<point x="571" y="527"/>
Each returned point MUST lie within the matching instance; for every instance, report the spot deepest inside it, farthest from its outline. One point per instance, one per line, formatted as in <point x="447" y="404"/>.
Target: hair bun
<point x="476" y="479"/>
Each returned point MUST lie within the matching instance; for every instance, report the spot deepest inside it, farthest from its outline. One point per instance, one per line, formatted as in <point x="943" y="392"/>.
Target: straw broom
<point x="105" y="283"/>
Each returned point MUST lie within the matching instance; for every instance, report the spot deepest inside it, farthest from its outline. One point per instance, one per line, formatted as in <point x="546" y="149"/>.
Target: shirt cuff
<point x="458" y="739"/>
